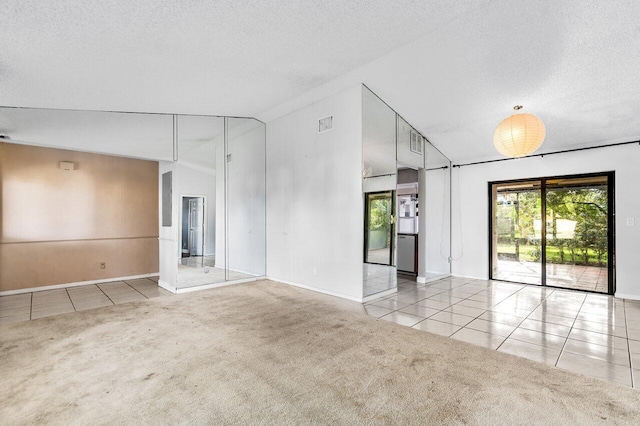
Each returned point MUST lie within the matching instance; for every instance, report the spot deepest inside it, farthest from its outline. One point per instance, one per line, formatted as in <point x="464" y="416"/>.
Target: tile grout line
<point x="525" y="318"/>
<point x="429" y="298"/>
<point x="495" y="322"/>
<point x="486" y="310"/>
<point x="545" y="298"/>
<point x="626" y="329"/>
<point x="135" y="289"/>
<point x="416" y="302"/>
<point x="66" y="289"/>
<point x="103" y="292"/>
<point x="570" y="330"/>
<point x="442" y="310"/>
<point x="69" y="296"/>
<point x="456" y="303"/>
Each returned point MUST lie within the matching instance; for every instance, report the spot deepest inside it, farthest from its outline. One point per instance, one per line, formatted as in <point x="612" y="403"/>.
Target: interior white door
<point x="196" y="226"/>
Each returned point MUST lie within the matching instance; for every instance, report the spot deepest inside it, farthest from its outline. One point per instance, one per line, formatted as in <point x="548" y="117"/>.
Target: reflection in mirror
<point x="200" y="197"/>
<point x="88" y="182"/>
<point x="379" y="228"/>
<point x="145" y="136"/>
<point x="410" y="145"/>
<point x="378" y="136"/>
<point x="379" y="186"/>
<point x="192" y="239"/>
<point x="408" y="226"/>
<point x="435" y="205"/>
<point x="246" y="198"/>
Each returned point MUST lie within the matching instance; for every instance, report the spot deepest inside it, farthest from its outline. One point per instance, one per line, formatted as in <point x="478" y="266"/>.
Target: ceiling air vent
<point x="325" y="124"/>
<point x="417" y="142"/>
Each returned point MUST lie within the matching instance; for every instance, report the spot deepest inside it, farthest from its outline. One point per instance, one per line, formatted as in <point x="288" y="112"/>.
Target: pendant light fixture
<point x="519" y="135"/>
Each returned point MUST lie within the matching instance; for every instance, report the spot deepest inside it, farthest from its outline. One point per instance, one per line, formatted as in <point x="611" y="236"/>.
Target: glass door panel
<point x="577" y="243"/>
<point x="200" y="190"/>
<point x="380" y="229"/>
<point x="516" y="232"/>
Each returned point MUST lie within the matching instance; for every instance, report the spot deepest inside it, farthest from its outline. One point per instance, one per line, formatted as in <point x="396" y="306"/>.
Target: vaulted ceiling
<point x="454" y="70"/>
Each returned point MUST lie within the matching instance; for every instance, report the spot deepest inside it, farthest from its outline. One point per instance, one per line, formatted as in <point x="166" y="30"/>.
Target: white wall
<point x="314" y="197"/>
<point x="470" y="204"/>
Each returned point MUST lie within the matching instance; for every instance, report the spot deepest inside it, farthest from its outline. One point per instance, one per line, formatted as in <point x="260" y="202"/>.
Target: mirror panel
<point x="437" y="210"/>
<point x="212" y="228"/>
<point x="410" y="146"/>
<point x="378" y="136"/>
<point x="201" y="257"/>
<point x="246" y="198"/>
<point x="379" y="192"/>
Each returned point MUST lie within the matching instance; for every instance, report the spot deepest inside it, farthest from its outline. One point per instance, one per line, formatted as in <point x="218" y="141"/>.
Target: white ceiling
<point x="452" y="69"/>
<point x="146" y="136"/>
<point x="223" y="57"/>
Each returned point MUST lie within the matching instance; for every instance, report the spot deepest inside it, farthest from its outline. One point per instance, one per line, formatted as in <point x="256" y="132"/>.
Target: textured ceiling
<point x="223" y="57"/>
<point x="574" y="63"/>
<point x="452" y="69"/>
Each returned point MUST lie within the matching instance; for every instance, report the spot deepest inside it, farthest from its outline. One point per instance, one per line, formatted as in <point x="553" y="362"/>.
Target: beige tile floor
<point x="591" y="334"/>
<point x="40" y="304"/>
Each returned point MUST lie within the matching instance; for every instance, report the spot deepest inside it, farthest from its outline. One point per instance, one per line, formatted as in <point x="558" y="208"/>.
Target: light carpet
<point x="268" y="353"/>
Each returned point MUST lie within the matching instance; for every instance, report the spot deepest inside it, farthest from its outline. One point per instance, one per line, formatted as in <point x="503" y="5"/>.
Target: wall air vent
<point x="325" y="124"/>
<point x="417" y="142"/>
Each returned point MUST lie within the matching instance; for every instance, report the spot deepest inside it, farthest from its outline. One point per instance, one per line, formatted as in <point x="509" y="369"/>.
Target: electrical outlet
<point x="103" y="265"/>
<point x="631" y="221"/>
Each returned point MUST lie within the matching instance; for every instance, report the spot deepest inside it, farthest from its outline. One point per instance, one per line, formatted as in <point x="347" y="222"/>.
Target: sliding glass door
<point x="577" y="238"/>
<point x="571" y="248"/>
<point x="516" y="232"/>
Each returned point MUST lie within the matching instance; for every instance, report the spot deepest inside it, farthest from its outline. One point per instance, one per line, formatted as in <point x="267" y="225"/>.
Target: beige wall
<point x="57" y="226"/>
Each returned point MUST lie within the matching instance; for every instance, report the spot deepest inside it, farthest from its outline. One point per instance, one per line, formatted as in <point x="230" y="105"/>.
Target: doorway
<point x="193" y="231"/>
<point x="379" y="233"/>
<point x="554" y="231"/>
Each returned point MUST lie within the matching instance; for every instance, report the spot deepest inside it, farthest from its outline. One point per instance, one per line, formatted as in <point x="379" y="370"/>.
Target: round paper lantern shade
<point x="519" y="135"/>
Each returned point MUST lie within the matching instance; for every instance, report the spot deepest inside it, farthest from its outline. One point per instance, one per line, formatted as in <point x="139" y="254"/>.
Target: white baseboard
<point x="76" y="284"/>
<point x="216" y="285"/>
<point x="619" y="295"/>
<point x="318" y="290"/>
<point x="425" y="280"/>
<point x="379" y="295"/>
<point x="469" y="277"/>
<point x="167" y="286"/>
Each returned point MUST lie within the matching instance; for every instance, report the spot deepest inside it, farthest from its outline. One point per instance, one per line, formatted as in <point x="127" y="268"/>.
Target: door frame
<point x="611" y="226"/>
<point x="392" y="224"/>
<point x="204" y="222"/>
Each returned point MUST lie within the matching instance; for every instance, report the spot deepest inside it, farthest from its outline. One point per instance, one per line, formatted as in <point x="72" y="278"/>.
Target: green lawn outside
<point x="553" y="254"/>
